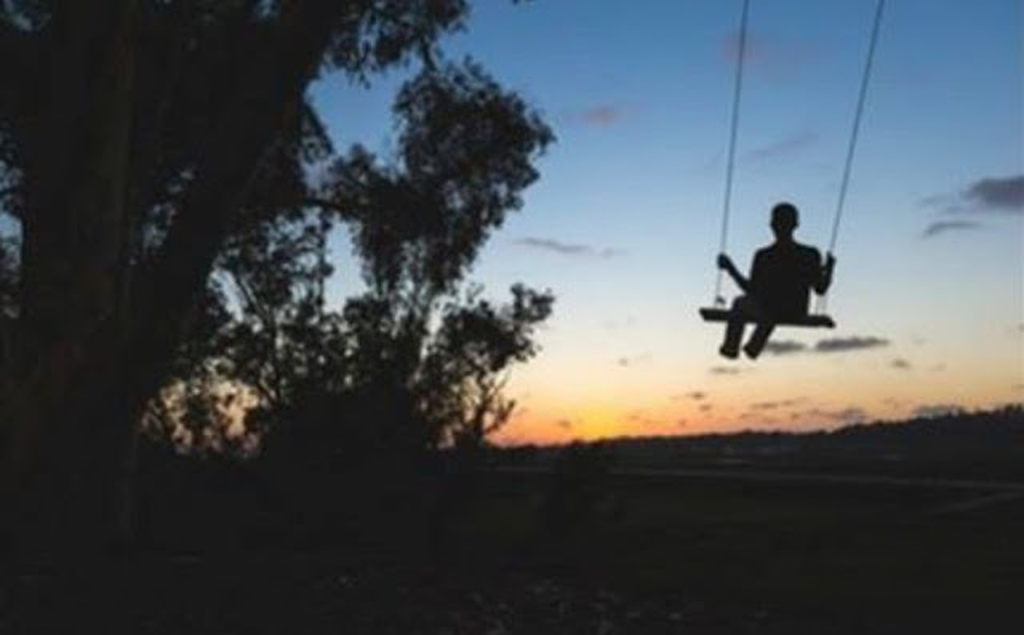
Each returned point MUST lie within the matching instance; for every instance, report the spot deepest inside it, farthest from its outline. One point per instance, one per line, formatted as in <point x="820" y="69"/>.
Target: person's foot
<point x="751" y="352"/>
<point x="731" y="353"/>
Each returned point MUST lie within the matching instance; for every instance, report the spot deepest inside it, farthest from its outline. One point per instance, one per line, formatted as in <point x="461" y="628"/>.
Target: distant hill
<point x="982" y="444"/>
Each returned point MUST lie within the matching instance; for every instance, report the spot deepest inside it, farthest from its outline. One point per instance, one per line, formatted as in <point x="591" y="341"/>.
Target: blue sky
<point x="623" y="225"/>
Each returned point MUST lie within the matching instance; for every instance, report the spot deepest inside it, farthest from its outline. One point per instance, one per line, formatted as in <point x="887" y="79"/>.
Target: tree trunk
<point x="68" y="335"/>
<point x="87" y="354"/>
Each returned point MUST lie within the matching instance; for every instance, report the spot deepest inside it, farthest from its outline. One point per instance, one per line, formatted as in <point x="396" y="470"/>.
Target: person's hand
<point x="830" y="261"/>
<point x="724" y="262"/>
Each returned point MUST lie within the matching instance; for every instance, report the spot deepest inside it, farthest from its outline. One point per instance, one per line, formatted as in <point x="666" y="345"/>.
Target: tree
<point x="138" y="139"/>
<point x="464" y="370"/>
<point x="413" y="351"/>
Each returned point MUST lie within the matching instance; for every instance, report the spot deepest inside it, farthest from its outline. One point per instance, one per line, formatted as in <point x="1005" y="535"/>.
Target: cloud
<point x="774" y="405"/>
<point x="626" y="362"/>
<point x="943" y="226"/>
<point x="568" y="249"/>
<point x="775" y="57"/>
<point x="564" y="424"/>
<point x="786" y="145"/>
<point x="853" y="343"/>
<point x="681" y="423"/>
<point x="694" y="395"/>
<point x="845" y="415"/>
<point x="642" y="418"/>
<point x="784" y="347"/>
<point x="724" y="370"/>
<point x="900" y="364"/>
<point x="989" y="194"/>
<point x="936" y="410"/>
<point x="1005" y="194"/>
<point x="705" y="407"/>
<point x="602" y="115"/>
<point x="938" y="368"/>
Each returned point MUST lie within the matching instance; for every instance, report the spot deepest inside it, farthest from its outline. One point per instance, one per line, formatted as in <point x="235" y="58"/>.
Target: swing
<point x="818" y="319"/>
<point x="812" y="320"/>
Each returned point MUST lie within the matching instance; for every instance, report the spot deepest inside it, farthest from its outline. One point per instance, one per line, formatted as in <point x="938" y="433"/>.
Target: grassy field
<point x="849" y="558"/>
<point x="642" y="555"/>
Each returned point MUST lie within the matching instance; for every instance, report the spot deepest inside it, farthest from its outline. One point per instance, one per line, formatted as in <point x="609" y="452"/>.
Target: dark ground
<point x="644" y="555"/>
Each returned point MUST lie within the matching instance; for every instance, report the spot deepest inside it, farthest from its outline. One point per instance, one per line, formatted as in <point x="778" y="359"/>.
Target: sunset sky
<point x="623" y="225"/>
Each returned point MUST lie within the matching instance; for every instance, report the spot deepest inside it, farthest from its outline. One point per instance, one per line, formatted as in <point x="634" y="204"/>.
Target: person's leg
<point x="755" y="345"/>
<point x="734" y="328"/>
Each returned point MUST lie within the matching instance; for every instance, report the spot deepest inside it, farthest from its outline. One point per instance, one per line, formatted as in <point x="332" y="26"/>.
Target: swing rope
<point x="731" y="160"/>
<point x="854" y="135"/>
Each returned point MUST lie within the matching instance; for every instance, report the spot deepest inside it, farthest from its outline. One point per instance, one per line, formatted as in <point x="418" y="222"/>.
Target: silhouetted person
<point x="778" y="290"/>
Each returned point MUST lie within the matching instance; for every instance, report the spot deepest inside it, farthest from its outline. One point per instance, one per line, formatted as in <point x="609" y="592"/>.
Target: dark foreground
<point x="645" y="555"/>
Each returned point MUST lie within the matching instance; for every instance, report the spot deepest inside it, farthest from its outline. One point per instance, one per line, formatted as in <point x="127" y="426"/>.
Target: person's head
<point x="784" y="220"/>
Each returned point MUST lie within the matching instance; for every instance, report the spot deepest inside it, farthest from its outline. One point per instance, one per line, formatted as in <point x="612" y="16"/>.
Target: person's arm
<point x="725" y="263"/>
<point x="824" y="280"/>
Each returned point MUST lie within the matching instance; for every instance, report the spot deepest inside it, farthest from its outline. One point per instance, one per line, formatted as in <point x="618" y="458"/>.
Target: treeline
<point x="987" y="443"/>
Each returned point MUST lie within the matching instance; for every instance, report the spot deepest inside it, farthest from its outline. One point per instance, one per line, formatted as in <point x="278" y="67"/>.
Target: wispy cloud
<point x="725" y="370"/>
<point x="568" y="249"/>
<point x="632" y="360"/>
<point x="564" y="424"/>
<point x="853" y="343"/>
<point x="774" y="405"/>
<point x="693" y="395"/>
<point x="944" y="226"/>
<point x="900" y="364"/>
<point x="787" y="145"/>
<point x="602" y="115"/>
<point x="784" y="347"/>
<point x="828" y="345"/>
<point x="1006" y="194"/>
<point x="642" y="418"/>
<point x="845" y="415"/>
<point x="773" y="56"/>
<point x="989" y="194"/>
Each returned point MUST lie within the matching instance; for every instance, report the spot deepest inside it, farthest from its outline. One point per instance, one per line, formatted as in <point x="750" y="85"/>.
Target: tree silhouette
<point x="146" y="146"/>
<point x="415" y="350"/>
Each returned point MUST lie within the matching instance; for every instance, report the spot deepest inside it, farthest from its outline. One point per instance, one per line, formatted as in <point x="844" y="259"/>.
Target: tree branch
<point x="323" y="203"/>
<point x="225" y="175"/>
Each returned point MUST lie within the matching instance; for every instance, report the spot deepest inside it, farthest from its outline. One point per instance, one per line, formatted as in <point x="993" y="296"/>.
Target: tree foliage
<point x="415" y="350"/>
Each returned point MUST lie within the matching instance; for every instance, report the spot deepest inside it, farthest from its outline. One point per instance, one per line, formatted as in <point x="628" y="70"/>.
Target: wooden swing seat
<point x="718" y="314"/>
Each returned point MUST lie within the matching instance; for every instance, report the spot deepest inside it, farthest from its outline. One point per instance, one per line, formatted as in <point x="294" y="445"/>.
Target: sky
<point x="623" y="225"/>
